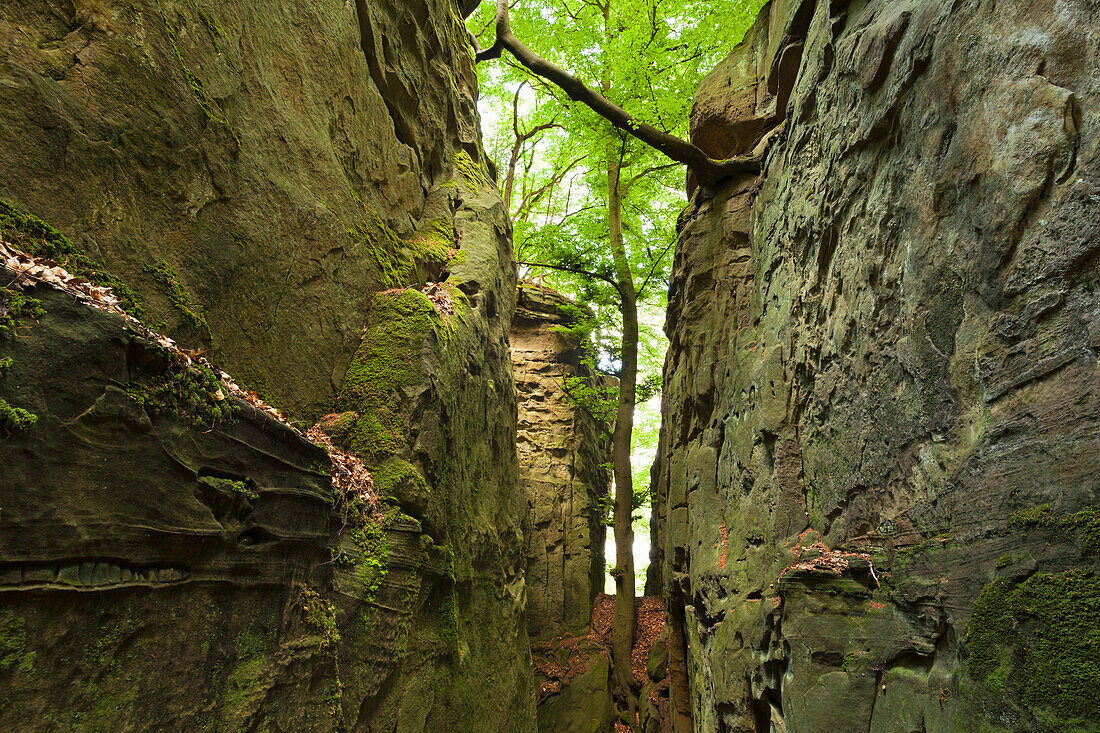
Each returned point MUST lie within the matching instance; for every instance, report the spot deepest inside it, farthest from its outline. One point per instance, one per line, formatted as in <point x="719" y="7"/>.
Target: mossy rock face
<point x="256" y="589"/>
<point x="243" y="185"/>
<point x="250" y="179"/>
<point x="381" y="381"/>
<point x="584" y="706"/>
<point x="891" y="353"/>
<point x="139" y="544"/>
<point x="1038" y="643"/>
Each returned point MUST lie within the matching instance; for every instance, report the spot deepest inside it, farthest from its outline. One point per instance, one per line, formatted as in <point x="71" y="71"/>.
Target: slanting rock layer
<point x="298" y="190"/>
<point x="563" y="454"/>
<point x="876" y="500"/>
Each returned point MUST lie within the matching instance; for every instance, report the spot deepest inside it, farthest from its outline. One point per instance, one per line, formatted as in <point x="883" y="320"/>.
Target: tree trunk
<point x="623" y="628"/>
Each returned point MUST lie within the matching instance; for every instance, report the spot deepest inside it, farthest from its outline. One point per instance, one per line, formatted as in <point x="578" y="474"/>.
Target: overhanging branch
<point x="707" y="170"/>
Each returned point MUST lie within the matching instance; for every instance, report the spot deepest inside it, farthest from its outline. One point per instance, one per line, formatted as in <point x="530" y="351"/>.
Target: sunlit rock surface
<point x="563" y="456"/>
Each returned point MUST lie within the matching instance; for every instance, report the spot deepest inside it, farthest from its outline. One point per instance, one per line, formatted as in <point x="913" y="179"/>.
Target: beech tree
<point x="594" y="191"/>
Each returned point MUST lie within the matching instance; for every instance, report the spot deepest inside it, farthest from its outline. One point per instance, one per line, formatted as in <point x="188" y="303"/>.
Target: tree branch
<point x="643" y="174"/>
<point x="653" y="269"/>
<point x="575" y="270"/>
<point x="707" y="170"/>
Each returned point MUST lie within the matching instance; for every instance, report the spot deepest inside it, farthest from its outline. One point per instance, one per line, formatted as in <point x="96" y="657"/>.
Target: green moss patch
<point x="178" y="297"/>
<point x="395" y="268"/>
<point x="212" y="110"/>
<point x="15" y="419"/>
<point x="405" y="262"/>
<point x="193" y="393"/>
<point x="14" y="306"/>
<point x="398" y="478"/>
<point x="1086" y="521"/>
<point x="386" y="365"/>
<point x="474" y="175"/>
<point x="245" y="677"/>
<point x="37" y="238"/>
<point x="372" y="553"/>
<point x="13" y="644"/>
<point x="217" y="35"/>
<point x="1040" y="642"/>
<point x="318" y="617"/>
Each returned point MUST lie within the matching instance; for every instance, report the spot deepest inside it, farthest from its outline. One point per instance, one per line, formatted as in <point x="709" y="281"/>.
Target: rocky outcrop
<point x="583" y="706"/>
<point x="882" y="399"/>
<point x="563" y="454"/>
<point x="298" y="191"/>
<point x="283" y="164"/>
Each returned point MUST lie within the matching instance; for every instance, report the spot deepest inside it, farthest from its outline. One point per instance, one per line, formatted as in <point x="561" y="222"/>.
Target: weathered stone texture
<point x="563" y="456"/>
<point x="890" y="339"/>
<point x="258" y="149"/>
<point x="277" y="182"/>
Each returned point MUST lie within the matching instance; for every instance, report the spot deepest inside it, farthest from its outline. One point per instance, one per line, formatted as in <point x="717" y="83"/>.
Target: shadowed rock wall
<point x="277" y="184"/>
<point x="876" y="501"/>
<point x="562" y="468"/>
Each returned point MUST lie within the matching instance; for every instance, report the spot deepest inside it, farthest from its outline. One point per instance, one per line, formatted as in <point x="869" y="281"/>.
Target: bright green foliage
<point x="1087" y="521"/>
<point x="1039" y="640"/>
<point x="599" y="403"/>
<point x="36" y="237"/>
<point x="647" y="56"/>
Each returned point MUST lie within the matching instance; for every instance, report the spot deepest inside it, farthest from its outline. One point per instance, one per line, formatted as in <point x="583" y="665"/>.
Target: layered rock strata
<point x="299" y="191"/>
<point x="563" y="454"/>
<point x="875" y="507"/>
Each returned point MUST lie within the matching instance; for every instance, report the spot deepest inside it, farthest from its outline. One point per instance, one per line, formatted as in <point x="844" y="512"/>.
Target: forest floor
<point x="562" y="659"/>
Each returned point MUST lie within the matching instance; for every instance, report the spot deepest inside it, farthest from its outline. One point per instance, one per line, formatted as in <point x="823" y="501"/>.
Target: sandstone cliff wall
<point x="876" y="501"/>
<point x="563" y="469"/>
<point x="299" y="190"/>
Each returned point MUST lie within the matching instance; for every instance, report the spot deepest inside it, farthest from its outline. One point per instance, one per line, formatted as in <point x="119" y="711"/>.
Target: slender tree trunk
<point x="622" y="633"/>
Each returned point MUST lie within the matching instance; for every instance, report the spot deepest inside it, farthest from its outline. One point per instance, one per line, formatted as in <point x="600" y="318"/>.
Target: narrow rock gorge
<point x="876" y="503"/>
<point x="285" y="444"/>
